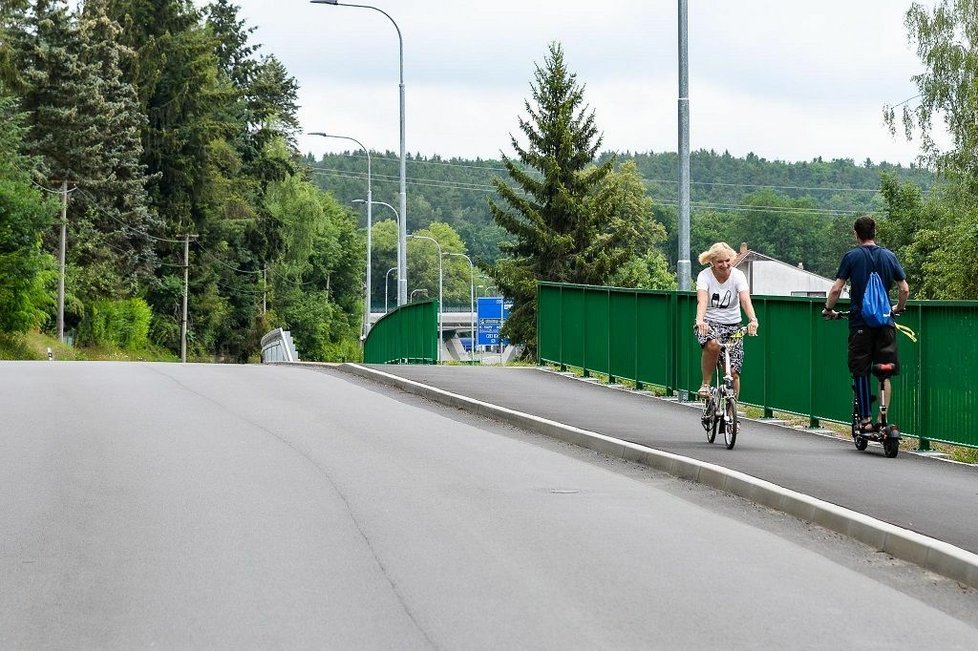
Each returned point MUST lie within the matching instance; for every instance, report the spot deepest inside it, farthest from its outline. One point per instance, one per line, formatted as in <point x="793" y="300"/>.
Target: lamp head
<point x="324" y="2"/>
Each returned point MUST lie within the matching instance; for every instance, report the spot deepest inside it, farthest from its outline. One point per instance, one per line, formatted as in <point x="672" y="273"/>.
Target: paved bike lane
<point x="928" y="496"/>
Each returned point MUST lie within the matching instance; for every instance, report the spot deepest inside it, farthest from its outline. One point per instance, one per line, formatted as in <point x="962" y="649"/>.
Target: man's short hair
<point x="865" y="228"/>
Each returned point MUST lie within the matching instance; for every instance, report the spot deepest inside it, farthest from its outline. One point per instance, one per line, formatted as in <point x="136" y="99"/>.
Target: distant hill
<point x="455" y="190"/>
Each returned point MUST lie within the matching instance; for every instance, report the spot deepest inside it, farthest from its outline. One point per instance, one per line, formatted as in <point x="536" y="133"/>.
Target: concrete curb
<point x="935" y="555"/>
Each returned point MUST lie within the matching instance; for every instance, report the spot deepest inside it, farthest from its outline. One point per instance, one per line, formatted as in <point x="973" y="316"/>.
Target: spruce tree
<point x="563" y="228"/>
<point x="116" y="189"/>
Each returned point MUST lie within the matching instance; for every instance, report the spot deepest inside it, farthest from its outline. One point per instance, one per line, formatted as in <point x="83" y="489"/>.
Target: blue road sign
<point x="491" y="313"/>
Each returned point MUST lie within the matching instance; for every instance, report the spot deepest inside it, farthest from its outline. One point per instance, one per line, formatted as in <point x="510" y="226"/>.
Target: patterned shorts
<point x="721" y="332"/>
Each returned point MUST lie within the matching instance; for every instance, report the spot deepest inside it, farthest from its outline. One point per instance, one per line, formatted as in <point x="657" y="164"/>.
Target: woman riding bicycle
<point x="721" y="291"/>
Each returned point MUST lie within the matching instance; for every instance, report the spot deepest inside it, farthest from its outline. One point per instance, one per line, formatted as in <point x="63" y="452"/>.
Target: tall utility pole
<point x="186" y="285"/>
<point x="683" y="267"/>
<point x="61" y="260"/>
<point x="62" y="248"/>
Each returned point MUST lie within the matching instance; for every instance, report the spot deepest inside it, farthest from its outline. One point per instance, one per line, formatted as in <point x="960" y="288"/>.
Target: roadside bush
<point x="120" y="323"/>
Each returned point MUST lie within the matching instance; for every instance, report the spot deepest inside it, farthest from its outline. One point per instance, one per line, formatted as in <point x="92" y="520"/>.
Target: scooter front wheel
<point x="891" y="444"/>
<point x="860" y="441"/>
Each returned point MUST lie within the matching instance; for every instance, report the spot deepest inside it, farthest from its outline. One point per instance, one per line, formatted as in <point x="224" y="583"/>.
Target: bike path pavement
<point x="928" y="496"/>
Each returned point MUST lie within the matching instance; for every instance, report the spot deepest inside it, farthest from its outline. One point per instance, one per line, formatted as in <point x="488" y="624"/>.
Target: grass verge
<point x="35" y="346"/>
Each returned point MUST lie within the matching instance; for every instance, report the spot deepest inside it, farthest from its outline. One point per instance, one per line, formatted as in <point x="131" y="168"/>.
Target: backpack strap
<point x="874" y="259"/>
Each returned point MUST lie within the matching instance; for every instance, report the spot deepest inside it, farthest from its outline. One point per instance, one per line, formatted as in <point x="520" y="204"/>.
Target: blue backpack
<point x="876" y="303"/>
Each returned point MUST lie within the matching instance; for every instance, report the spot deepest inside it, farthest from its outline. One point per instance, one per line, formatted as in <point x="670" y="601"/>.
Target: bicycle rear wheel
<point x="730" y="422"/>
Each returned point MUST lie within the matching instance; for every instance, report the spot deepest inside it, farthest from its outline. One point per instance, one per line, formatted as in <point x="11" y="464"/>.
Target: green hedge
<point x="120" y="323"/>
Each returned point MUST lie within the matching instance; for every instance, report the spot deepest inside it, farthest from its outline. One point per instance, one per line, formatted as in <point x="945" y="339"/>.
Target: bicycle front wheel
<point x="730" y="422"/>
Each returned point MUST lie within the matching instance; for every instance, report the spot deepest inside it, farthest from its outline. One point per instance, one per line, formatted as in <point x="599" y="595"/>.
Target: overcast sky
<point x="785" y="80"/>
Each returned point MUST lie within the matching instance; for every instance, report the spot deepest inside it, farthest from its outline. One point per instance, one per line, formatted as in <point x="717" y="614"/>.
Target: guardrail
<point x="797" y="365"/>
<point x="277" y="346"/>
<point x="406" y="335"/>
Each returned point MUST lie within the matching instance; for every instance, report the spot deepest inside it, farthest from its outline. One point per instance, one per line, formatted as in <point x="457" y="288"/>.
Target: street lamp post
<point x="441" y="307"/>
<point x="471" y="300"/>
<point x="386" y="283"/>
<point x="683" y="264"/>
<point x="366" y="305"/>
<point x="397" y="219"/>
<point x="402" y="225"/>
<point x="415" y="291"/>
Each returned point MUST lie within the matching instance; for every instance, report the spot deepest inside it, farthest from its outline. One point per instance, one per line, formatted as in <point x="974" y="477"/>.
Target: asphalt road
<point x="206" y="506"/>
<point x="926" y="495"/>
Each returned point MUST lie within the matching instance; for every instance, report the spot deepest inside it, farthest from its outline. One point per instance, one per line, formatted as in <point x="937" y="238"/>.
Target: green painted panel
<point x="623" y="333"/>
<point x="655" y="340"/>
<point x="572" y="325"/>
<point x="596" y="322"/>
<point x="788" y="335"/>
<point x="548" y="323"/>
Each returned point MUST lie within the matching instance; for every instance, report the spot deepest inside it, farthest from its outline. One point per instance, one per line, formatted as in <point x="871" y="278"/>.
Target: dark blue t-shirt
<point x="856" y="266"/>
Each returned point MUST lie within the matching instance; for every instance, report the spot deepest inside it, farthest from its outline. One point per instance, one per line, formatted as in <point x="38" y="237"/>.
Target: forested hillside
<point x="160" y="127"/>
<point x="791" y="210"/>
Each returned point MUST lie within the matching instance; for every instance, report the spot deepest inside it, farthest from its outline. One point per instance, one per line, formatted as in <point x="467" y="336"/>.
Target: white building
<point x="770" y="277"/>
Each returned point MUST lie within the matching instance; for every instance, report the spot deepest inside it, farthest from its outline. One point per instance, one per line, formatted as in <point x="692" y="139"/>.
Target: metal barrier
<point x="277" y="346"/>
<point x="406" y="335"/>
<point x="797" y="364"/>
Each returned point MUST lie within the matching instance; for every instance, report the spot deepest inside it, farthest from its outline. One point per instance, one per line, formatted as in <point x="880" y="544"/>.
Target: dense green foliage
<point x="937" y="235"/>
<point x="165" y="121"/>
<point x="120" y="323"/>
<point x="25" y="270"/>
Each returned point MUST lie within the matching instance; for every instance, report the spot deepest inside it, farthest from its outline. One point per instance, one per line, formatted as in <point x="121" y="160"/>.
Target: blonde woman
<point x="721" y="292"/>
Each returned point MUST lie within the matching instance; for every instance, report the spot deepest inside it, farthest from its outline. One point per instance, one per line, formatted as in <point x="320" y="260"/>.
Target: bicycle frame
<point x="720" y="411"/>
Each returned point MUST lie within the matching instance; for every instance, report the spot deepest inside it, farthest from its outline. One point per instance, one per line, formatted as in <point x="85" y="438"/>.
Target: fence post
<point x="638" y="384"/>
<point x="923" y="406"/>
<point x="768" y="412"/>
<point x="812" y="420"/>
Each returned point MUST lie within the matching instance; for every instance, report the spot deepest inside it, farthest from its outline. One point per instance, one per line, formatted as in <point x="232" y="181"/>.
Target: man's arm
<point x="833" y="296"/>
<point x="903" y="293"/>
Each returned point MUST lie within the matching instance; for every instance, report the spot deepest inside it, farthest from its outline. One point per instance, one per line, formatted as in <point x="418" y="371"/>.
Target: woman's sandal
<point x="704" y="391"/>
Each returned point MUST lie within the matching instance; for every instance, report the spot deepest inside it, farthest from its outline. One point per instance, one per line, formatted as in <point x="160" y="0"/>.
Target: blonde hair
<point x="711" y="254"/>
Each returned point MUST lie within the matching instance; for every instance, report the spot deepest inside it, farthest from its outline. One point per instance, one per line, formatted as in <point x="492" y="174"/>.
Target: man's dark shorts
<point x="872" y="345"/>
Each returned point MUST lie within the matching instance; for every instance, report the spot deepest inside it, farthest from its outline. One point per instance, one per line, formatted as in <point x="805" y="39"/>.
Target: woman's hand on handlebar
<point x="752" y="328"/>
<point x="702" y="328"/>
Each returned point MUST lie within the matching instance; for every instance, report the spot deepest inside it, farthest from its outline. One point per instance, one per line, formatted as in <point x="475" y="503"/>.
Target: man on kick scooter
<point x="868" y="346"/>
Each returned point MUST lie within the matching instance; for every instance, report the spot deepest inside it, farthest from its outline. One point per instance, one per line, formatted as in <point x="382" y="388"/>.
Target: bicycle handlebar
<point x="845" y="315"/>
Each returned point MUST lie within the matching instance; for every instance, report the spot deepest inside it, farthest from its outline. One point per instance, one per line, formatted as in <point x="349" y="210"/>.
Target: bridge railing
<point x="797" y="365"/>
<point x="406" y="335"/>
<point x="277" y="346"/>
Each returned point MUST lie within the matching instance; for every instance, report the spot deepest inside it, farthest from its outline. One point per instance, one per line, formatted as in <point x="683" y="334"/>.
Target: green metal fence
<point x="406" y="335"/>
<point x="797" y="364"/>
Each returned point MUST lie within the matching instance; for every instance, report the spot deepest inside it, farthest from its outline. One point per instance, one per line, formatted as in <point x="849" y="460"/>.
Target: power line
<point x="643" y="178"/>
